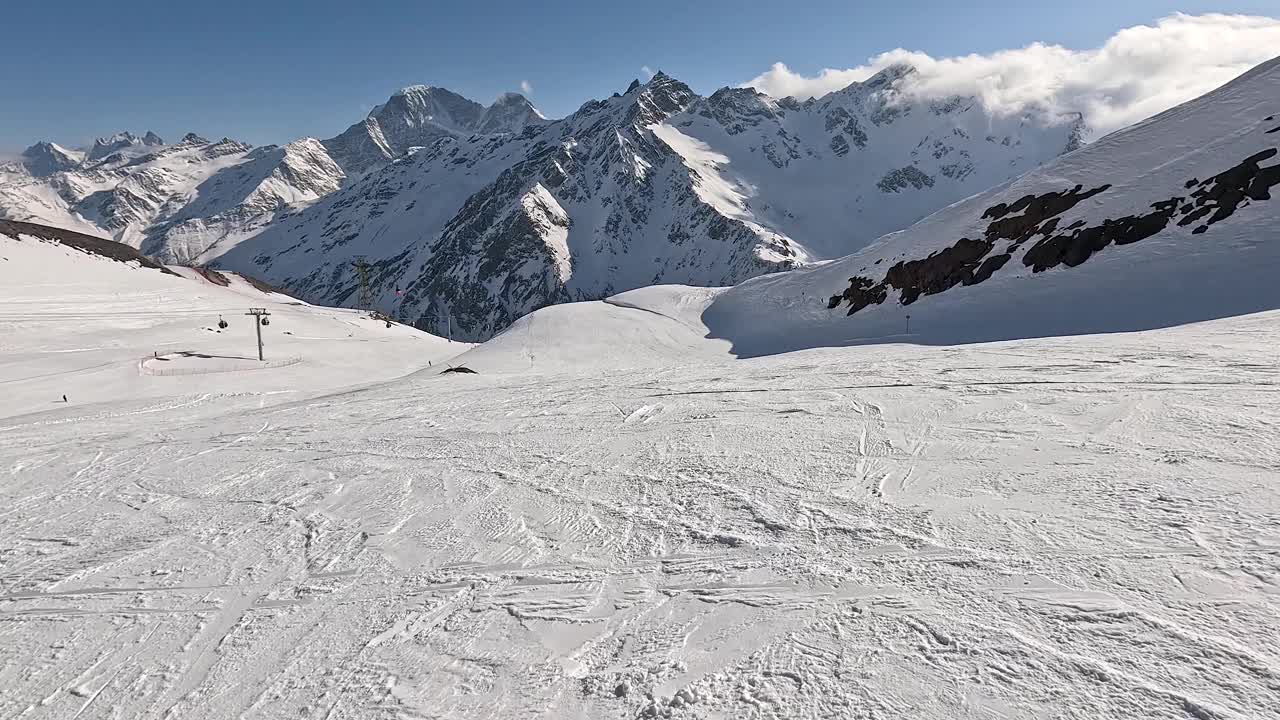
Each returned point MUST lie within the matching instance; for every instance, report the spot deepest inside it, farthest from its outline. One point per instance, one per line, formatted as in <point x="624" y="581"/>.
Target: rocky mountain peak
<point x="510" y="113"/>
<point x="660" y="98"/>
<point x="104" y="146"/>
<point x="889" y="76"/>
<point x="414" y="116"/>
<point x="152" y="139"/>
<point x="737" y="108"/>
<point x="46" y="158"/>
<point x="418" y="104"/>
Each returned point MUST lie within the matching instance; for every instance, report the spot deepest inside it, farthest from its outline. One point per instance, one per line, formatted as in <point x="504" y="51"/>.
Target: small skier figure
<point x="64" y="398"/>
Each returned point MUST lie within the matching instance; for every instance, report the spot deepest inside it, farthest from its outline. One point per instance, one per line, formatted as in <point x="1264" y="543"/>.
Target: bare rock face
<point x="938" y="272"/>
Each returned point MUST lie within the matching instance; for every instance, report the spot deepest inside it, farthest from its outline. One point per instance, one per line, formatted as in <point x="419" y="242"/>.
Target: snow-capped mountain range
<point x="178" y="201"/>
<point x="1168" y="222"/>
<point x="654" y="185"/>
<point x="419" y="115"/>
<point x="472" y="216"/>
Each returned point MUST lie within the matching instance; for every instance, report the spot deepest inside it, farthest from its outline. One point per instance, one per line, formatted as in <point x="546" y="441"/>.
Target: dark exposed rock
<point x="939" y="272"/>
<point x="860" y="293"/>
<point x="1074" y="249"/>
<point x="1076" y="140"/>
<point x="958" y="171"/>
<point x="898" y="180"/>
<point x="459" y="370"/>
<point x="966" y="262"/>
<point x="1034" y="210"/>
<point x="1218" y="196"/>
<point x="988" y="268"/>
<point x="846" y="124"/>
<point x="737" y="109"/>
<point x="836" y="118"/>
<point x="1225" y="192"/>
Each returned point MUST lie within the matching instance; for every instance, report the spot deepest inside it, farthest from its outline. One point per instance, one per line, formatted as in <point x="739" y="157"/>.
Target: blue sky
<point x="270" y="71"/>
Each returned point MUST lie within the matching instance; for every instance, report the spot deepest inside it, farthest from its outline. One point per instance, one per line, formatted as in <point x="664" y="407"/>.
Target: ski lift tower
<point x="362" y="268"/>
<point x="259" y="319"/>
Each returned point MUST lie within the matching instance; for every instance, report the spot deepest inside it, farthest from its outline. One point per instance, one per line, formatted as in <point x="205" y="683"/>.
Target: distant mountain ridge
<point x="478" y="214"/>
<point x="654" y="185"/>
<point x="418" y="115"/>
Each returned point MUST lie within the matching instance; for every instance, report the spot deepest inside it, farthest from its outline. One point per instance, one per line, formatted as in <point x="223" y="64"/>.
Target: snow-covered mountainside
<point x="419" y="115"/>
<point x="122" y="142"/>
<point x="92" y="319"/>
<point x="1170" y="221"/>
<point x="657" y="185"/>
<point x="177" y="201"/>
<point x="196" y="199"/>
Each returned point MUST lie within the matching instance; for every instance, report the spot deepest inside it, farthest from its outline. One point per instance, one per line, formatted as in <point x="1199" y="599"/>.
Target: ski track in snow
<point x="1084" y="527"/>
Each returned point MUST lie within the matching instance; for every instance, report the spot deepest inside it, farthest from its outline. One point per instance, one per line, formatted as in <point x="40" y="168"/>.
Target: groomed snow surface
<point x="617" y="518"/>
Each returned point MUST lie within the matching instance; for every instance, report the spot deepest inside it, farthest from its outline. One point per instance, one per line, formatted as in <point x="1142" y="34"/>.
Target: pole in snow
<point x="365" y="300"/>
<point x="908" y="324"/>
<point x="259" y="319"/>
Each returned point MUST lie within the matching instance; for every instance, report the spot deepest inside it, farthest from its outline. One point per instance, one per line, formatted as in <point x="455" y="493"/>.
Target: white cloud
<point x="648" y="74"/>
<point x="526" y="87"/>
<point x="1138" y="72"/>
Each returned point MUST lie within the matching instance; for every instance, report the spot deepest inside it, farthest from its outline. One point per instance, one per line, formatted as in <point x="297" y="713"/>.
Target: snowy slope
<point x="1168" y="222"/>
<point x="652" y="327"/>
<point x="835" y="173"/>
<point x="656" y="185"/>
<point x="77" y="322"/>
<point x="1077" y="527"/>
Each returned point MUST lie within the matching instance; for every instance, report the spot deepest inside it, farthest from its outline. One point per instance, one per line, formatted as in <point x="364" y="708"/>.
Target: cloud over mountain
<point x="1139" y="72"/>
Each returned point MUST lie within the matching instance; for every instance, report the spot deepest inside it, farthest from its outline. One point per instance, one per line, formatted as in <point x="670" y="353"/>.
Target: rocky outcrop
<point x="1212" y="201"/>
<point x="969" y="261"/>
<point x="902" y="178"/>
